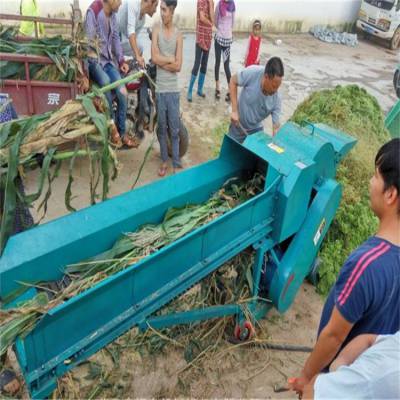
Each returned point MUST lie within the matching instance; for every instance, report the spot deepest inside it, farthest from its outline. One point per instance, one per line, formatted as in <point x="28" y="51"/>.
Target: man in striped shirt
<point x="366" y="295"/>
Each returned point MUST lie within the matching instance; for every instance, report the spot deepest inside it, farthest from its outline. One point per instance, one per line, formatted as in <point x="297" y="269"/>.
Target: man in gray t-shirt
<point x="258" y="99"/>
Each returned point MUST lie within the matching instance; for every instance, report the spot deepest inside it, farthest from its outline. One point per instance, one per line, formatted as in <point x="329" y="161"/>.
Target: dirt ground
<point x="226" y="370"/>
<point x="233" y="372"/>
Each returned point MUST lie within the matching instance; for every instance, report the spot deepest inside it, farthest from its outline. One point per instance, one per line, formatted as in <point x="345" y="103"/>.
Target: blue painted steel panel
<point x="297" y="205"/>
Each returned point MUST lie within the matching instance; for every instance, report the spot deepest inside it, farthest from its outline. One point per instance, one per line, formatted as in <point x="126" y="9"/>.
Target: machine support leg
<point x="258" y="264"/>
<point x="190" y="317"/>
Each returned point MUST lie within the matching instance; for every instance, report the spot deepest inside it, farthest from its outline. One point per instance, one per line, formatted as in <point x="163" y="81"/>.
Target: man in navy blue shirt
<point x="366" y="295"/>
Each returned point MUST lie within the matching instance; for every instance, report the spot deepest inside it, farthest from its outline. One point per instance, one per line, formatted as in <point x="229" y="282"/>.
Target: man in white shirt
<point x="131" y="20"/>
<point x="367" y="368"/>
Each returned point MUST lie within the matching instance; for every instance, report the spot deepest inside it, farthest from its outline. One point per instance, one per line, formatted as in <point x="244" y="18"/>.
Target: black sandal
<point x="217" y="94"/>
<point x="228" y="98"/>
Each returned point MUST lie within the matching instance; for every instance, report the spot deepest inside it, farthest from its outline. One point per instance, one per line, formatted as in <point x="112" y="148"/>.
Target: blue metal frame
<point x="296" y="208"/>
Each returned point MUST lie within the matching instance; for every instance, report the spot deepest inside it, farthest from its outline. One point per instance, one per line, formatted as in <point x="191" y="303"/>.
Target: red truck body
<point x="32" y="96"/>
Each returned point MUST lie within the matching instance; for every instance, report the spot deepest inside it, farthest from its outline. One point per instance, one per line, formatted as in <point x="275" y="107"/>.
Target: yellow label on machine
<point x="276" y="148"/>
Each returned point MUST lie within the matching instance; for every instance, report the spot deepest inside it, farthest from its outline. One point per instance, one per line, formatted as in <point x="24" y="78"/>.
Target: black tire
<point x="183" y="141"/>
<point x="396" y="82"/>
<point x="313" y="276"/>
<point x="395" y="41"/>
<point x="132" y="127"/>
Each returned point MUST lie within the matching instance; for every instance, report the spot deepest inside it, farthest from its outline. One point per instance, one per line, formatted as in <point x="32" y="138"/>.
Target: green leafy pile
<point x="83" y="123"/>
<point x="65" y="54"/>
<point x="354" y="111"/>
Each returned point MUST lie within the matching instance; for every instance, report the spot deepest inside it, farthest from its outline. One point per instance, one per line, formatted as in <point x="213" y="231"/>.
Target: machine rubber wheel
<point x="313" y="277"/>
<point x="245" y="332"/>
<point x="183" y="141"/>
<point x="395" y="41"/>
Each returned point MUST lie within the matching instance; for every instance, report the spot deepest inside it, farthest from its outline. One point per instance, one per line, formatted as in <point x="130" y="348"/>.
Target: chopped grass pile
<point x="354" y="111"/>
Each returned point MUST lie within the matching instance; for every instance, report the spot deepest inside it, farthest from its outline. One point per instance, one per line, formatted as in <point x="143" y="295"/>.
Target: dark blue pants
<point x="168" y="118"/>
<point x="104" y="76"/>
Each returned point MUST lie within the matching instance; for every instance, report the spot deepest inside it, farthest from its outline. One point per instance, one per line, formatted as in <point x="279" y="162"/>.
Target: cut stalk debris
<point x="127" y="251"/>
<point x="77" y="122"/>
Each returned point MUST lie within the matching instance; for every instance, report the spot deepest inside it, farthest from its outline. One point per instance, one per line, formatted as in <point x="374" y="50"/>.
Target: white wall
<point x="276" y="15"/>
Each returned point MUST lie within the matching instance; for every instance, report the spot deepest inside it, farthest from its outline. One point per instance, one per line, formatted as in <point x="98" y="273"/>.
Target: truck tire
<point x="395" y="41"/>
<point x="183" y="141"/>
<point x="396" y="82"/>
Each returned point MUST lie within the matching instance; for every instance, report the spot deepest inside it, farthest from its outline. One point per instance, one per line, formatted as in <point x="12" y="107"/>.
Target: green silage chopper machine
<point x="285" y="225"/>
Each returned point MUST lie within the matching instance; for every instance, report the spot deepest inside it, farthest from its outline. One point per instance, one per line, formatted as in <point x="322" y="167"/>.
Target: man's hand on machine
<point x="275" y="129"/>
<point x="235" y="118"/>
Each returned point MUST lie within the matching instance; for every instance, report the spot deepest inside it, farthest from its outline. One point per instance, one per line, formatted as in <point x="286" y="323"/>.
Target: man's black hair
<point x="257" y="22"/>
<point x="388" y="163"/>
<point x="171" y="3"/>
<point x="274" y="68"/>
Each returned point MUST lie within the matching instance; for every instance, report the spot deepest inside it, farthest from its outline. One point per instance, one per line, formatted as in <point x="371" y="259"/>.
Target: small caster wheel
<point x="244" y="332"/>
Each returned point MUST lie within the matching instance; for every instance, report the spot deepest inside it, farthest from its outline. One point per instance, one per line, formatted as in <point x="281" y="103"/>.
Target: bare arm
<point x="212" y="15"/>
<point x="233" y="91"/>
<point x="177" y="64"/>
<point x="131" y="28"/>
<point x="134" y="46"/>
<point x="275" y="128"/>
<point x="156" y="56"/>
<point x="203" y="18"/>
<point x="349" y="354"/>
<point x="327" y="346"/>
<point x="276" y="113"/>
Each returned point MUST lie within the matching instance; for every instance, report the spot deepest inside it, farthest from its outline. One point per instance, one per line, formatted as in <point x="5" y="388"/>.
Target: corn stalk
<point x="65" y="54"/>
<point x="77" y="122"/>
<point x="128" y="250"/>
